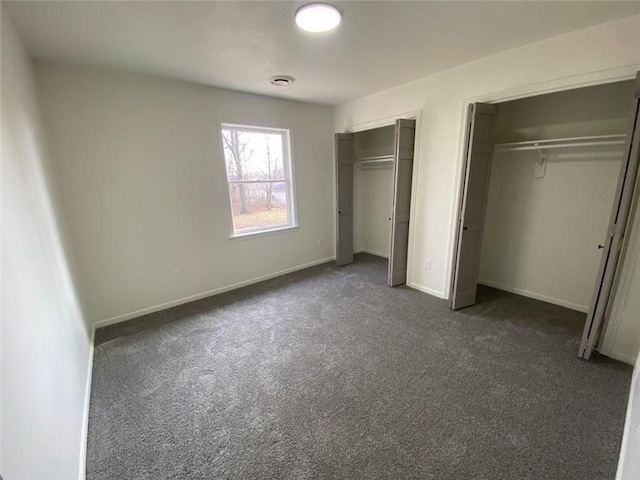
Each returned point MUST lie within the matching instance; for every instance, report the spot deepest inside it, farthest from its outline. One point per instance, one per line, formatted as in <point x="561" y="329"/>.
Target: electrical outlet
<point x="177" y="275"/>
<point x="319" y="242"/>
<point x="427" y="264"/>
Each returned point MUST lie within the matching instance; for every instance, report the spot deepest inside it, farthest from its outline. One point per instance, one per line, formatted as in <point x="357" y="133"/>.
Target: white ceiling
<point x="239" y="45"/>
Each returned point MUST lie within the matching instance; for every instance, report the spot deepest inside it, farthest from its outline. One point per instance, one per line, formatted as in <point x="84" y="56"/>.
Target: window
<point x="258" y="166"/>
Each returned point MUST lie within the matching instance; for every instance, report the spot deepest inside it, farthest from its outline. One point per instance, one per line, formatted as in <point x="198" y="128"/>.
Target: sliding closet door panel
<point x="344" y="201"/>
<point x="403" y="171"/>
<point x="477" y="169"/>
<point x="615" y="232"/>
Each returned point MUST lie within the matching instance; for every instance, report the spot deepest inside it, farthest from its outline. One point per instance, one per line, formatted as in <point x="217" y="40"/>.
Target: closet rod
<point x="379" y="158"/>
<point x="563" y="145"/>
<point x="370" y="163"/>
<point x="587" y="155"/>
<point x="591" y="141"/>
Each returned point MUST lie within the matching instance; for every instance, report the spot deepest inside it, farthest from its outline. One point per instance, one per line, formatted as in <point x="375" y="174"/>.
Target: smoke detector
<point x="282" y="80"/>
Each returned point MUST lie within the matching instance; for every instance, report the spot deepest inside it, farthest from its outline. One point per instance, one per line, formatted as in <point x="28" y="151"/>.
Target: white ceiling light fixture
<point x="317" y="17"/>
<point x="282" y="80"/>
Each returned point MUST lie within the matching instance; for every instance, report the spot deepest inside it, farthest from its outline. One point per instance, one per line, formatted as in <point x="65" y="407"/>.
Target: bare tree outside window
<point x="236" y="155"/>
<point x="259" y="175"/>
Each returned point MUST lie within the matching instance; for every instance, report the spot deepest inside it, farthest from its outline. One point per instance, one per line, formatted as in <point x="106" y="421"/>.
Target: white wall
<point x="142" y="186"/>
<point x="45" y="343"/>
<point x="373" y="188"/>
<point x="586" y="56"/>
<point x="372" y="208"/>
<point x="603" y="53"/>
<point x="596" y="110"/>
<point x="541" y="234"/>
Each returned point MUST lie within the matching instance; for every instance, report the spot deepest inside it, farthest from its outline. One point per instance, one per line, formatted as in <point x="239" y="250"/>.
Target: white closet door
<point x="344" y="201"/>
<point x="615" y="231"/>
<point x="479" y="151"/>
<point x="402" y="175"/>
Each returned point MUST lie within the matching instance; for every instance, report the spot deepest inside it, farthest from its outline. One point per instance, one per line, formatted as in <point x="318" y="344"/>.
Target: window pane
<point x="258" y="167"/>
<point x="255" y="205"/>
<point x="253" y="155"/>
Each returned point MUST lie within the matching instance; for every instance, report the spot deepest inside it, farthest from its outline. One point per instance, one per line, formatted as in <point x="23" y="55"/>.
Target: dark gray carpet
<point x="329" y="373"/>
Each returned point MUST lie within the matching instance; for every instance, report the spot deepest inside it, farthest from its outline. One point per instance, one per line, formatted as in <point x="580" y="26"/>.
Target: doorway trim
<point x="602" y="77"/>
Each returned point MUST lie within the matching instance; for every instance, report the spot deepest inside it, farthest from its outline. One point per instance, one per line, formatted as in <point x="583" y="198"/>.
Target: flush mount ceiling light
<point x="282" y="80"/>
<point x="317" y="17"/>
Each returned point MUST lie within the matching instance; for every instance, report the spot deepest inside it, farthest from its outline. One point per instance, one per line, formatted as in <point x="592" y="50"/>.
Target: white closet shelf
<point x="543" y="145"/>
<point x="382" y="161"/>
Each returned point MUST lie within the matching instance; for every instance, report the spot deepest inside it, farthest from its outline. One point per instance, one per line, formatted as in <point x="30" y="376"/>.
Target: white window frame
<point x="289" y="179"/>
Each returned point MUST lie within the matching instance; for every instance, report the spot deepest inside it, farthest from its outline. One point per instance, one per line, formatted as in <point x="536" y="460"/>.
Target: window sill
<point x="262" y="233"/>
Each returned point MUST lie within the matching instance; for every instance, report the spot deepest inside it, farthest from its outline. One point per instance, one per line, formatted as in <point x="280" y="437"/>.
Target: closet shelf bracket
<point x="540" y="167"/>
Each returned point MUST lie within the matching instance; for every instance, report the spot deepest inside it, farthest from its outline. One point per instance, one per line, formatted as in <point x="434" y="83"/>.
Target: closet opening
<point x="374" y="170"/>
<point x="546" y="193"/>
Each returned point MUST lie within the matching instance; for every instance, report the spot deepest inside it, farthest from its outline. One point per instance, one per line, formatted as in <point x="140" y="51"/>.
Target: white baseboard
<point x="372" y="252"/>
<point x="536" y="296"/>
<point x="210" y="293"/>
<point x="430" y="291"/>
<point x="85" y="414"/>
